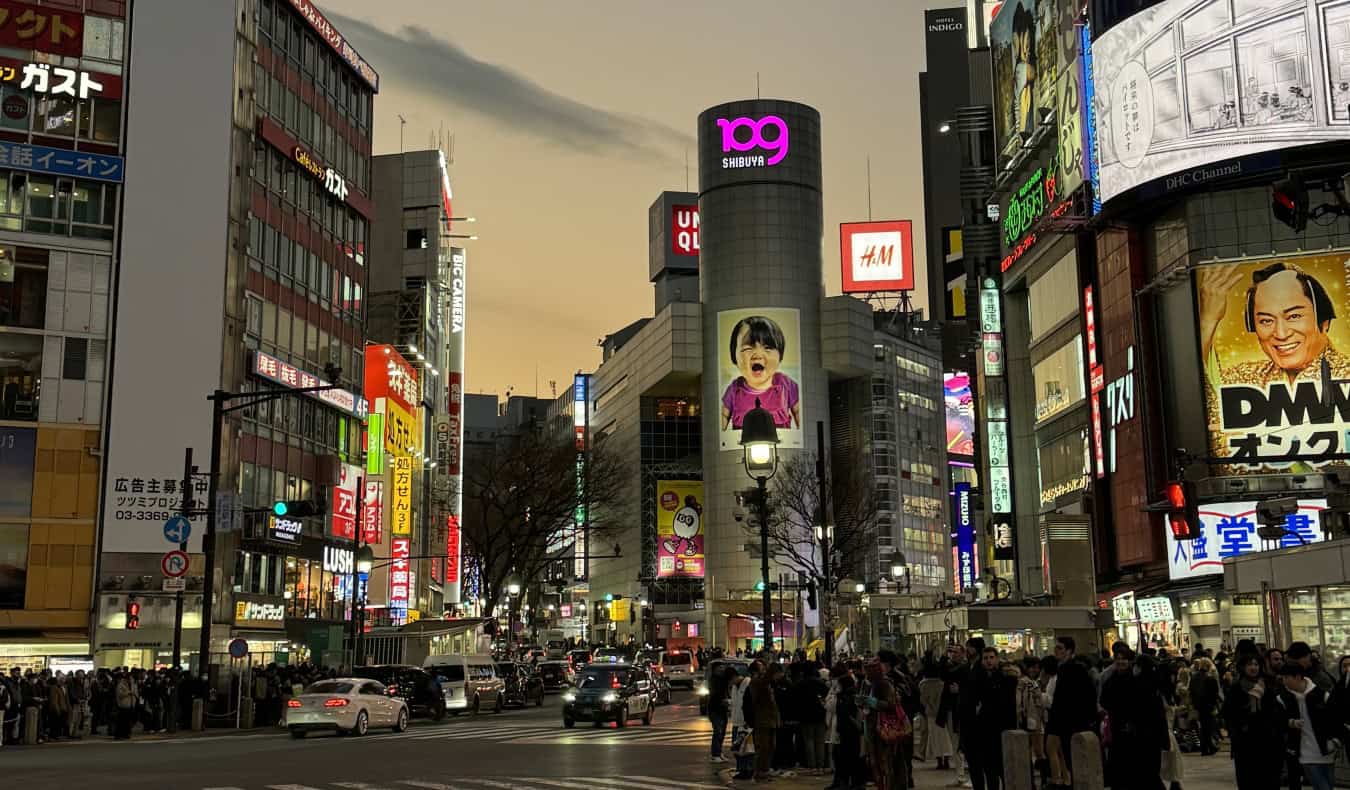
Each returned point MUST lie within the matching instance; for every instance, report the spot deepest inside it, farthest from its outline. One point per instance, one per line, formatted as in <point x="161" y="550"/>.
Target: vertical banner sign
<point x="1096" y="381"/>
<point x="401" y="526"/>
<point x="400" y="578"/>
<point x="996" y="429"/>
<point x="372" y="513"/>
<point x="991" y="328"/>
<point x="452" y="550"/>
<point x="375" y="444"/>
<point x="454" y="408"/>
<point x="967" y="564"/>
<point x="344" y="502"/>
<point x="580" y="392"/>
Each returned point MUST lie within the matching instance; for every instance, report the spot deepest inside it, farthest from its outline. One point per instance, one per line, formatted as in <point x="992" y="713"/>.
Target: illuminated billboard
<point x="960" y="410"/>
<point x="679" y="528"/>
<point x="876" y="256"/>
<point x="1272" y="331"/>
<point x="761" y="352"/>
<point x="1228" y="529"/>
<point x="1187" y="84"/>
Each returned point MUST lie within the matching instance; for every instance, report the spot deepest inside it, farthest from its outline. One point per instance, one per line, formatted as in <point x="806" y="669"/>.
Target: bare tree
<point x="795" y="511"/>
<point x="521" y="500"/>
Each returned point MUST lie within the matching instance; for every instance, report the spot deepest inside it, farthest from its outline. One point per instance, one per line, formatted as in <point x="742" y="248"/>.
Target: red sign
<point x="174" y="563"/>
<point x="336" y="42"/>
<point x="565" y="610"/>
<point x="24" y="26"/>
<point x="372" y="513"/>
<point x="344" y="502"/>
<point x="1096" y="382"/>
<point x="399" y="579"/>
<point x="451" y="549"/>
<point x="454" y="407"/>
<point x="389" y="375"/>
<point x="278" y="372"/>
<point x="684" y="230"/>
<point x="876" y="256"/>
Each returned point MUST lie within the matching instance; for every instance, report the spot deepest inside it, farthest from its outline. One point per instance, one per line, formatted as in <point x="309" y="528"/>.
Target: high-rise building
<point x="243" y="270"/>
<point x="62" y="149"/>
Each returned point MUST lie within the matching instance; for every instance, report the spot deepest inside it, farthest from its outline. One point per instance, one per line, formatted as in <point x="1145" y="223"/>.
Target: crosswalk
<point x="556" y="735"/>
<point x="501" y="783"/>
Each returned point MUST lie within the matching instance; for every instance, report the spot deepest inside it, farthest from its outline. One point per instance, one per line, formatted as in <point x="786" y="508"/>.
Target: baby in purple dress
<point x="757" y="346"/>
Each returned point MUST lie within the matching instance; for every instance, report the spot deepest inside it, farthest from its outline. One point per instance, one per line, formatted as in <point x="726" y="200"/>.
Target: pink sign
<point x="452" y="549"/>
<point x="778" y="146"/>
<point x="400" y="578"/>
<point x="372" y="516"/>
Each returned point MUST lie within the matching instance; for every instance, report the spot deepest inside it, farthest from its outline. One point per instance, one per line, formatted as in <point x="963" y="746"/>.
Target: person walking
<point x="1302" y="654"/>
<point x="719" y="699"/>
<point x="938" y="743"/>
<point x="1205" y="699"/>
<point x="1311" y="724"/>
<point x="809" y="695"/>
<point x="126" y="700"/>
<point x="764" y="719"/>
<point x="881" y="699"/>
<point x="1248" y="713"/>
<point x="740" y="730"/>
<point x="1074" y="707"/>
<point x="848" y="773"/>
<point x="995" y="694"/>
<point x="1031" y="711"/>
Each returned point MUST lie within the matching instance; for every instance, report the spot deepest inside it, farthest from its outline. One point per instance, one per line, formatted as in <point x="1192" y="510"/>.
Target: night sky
<point x="569" y="118"/>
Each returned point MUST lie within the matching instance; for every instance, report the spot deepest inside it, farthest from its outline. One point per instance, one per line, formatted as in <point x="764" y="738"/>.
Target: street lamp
<point x="512" y="590"/>
<point x="759" y="439"/>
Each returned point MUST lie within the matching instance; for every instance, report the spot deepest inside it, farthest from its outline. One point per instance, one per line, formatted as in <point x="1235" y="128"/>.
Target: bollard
<point x="30" y="726"/>
<point x="1088" y="773"/>
<point x="1017" y="760"/>
<point x="198" y="715"/>
<point x="246" y="713"/>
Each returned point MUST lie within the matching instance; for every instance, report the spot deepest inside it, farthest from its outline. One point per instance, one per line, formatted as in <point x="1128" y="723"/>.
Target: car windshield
<point x="383" y="674"/>
<point x="650" y="655"/>
<point x="677" y="658"/>
<point x="452" y="673"/>
<point x="581" y="655"/>
<point x="329" y="687"/>
<point x="603" y="678"/>
<point x="506" y="670"/>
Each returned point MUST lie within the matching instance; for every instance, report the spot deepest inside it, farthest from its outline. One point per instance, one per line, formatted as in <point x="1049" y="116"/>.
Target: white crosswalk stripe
<point x="507" y="783"/>
<point x="550" y="734"/>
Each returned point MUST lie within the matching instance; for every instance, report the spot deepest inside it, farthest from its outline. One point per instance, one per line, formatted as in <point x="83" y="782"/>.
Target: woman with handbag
<point x="882" y="728"/>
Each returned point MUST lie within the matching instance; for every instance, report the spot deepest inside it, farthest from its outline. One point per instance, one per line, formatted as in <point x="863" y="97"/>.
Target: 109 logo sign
<point x="777" y="148"/>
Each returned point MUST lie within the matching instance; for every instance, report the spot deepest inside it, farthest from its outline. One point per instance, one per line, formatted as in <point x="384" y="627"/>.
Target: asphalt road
<point x="515" y="750"/>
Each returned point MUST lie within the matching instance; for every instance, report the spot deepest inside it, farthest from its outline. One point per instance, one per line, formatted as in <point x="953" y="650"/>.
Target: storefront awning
<point x="1002" y="618"/>
<point x="1288" y="569"/>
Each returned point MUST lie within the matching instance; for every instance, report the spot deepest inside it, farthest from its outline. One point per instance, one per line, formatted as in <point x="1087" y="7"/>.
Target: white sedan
<point x="347" y="705"/>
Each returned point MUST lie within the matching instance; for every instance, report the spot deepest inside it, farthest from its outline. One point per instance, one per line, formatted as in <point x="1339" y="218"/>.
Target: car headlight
<point x="610" y="697"/>
<point x="702" y="690"/>
<point x="569" y="696"/>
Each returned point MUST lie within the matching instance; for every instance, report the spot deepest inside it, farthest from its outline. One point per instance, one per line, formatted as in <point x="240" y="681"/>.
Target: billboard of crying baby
<point x="679" y="528"/>
<point x="761" y="355"/>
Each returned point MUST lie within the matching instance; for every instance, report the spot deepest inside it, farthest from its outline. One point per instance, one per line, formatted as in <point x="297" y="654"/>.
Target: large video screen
<point x="1189" y="83"/>
<point x="761" y="350"/>
<point x="1274" y="336"/>
<point x="960" y="413"/>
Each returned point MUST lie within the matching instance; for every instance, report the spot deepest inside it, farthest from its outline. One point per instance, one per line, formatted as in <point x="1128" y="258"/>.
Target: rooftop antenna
<point x="869" y="187"/>
<point x="686" y="170"/>
<point x="402" y="122"/>
<point x="757" y="85"/>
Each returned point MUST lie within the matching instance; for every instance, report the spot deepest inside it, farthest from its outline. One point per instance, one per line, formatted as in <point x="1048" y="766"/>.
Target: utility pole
<point x="186" y="511"/>
<point x="762" y="482"/>
<point x="827" y="588"/>
<point x="217" y="399"/>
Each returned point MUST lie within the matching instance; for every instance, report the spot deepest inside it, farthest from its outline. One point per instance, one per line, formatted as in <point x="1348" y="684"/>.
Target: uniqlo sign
<point x="344" y="502"/>
<point x="876" y="256"/>
<point x="684" y="230"/>
<point x="451" y="549"/>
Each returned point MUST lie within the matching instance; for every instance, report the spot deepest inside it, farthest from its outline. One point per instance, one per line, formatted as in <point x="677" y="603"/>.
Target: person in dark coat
<point x="1205" y="700"/>
<point x="848" y="768"/>
<point x="1249" y="715"/>
<point x="1074" y="709"/>
<point x="1117" y="699"/>
<point x="719" y="692"/>
<point x="1310" y="722"/>
<point x="995" y="710"/>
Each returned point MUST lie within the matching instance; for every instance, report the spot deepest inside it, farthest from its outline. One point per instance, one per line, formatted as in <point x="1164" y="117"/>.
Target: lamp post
<point x="759" y="438"/>
<point x="512" y="590"/>
<point x="365" y="562"/>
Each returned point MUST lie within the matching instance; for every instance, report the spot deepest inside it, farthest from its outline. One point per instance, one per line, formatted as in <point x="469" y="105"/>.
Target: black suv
<point x="610" y="692"/>
<point x="413" y="685"/>
<point x="557" y="675"/>
<point x="523" y="684"/>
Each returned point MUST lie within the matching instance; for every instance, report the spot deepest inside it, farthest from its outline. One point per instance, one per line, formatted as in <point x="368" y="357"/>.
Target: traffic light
<point x="1183" y="512"/>
<point x="1289" y="202"/>
<point x="133" y="615"/>
<point x="759" y="586"/>
<point x="609" y="597"/>
<point x="299" y="508"/>
<point x="811" y="594"/>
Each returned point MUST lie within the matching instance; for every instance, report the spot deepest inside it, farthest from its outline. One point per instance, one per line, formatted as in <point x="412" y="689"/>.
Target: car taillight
<point x="661" y="670"/>
<point x="294" y="703"/>
<point x="336" y="702"/>
<point x="614" y="683"/>
<point x="391" y="691"/>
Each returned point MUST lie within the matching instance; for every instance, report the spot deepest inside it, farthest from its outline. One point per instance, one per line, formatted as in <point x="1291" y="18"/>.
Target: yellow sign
<point x="414" y="615"/>
<point x="618" y="610"/>
<point x="401" y="494"/>
<point x="400" y="430"/>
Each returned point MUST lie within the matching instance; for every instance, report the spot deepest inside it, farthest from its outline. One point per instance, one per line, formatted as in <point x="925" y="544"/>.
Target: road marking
<point x="291" y="787"/>
<point x="425" y="785"/>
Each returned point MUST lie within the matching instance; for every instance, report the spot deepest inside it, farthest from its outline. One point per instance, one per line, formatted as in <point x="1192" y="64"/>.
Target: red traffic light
<point x="1183" y="516"/>
<point x="133" y="615"/>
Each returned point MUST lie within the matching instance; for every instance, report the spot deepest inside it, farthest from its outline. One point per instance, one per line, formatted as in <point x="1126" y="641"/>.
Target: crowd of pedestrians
<point x="112" y="702"/>
<point x="873" y="720"/>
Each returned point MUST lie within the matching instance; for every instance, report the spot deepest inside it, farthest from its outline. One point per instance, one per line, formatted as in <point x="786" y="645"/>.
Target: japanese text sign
<point x="43" y="28"/>
<point x="278" y="372"/>
<point x="401" y="436"/>
<point x="389" y="375"/>
<point x="1228" y="529"/>
<point x="52" y="80"/>
<point x="61" y="162"/>
<point x="401" y="493"/>
<point x="400" y="578"/>
<point x="372" y="509"/>
<point x="336" y="42"/>
<point x="343" y="516"/>
<point x="451" y="549"/>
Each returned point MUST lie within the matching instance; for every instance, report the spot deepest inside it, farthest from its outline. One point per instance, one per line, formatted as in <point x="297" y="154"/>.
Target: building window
<point x="1059" y="379"/>
<point x="76" y="359"/>
<point x="23" y="287"/>
<point x="14" y="559"/>
<point x="1054" y="296"/>
<point x="20" y="376"/>
<point x="417" y="239"/>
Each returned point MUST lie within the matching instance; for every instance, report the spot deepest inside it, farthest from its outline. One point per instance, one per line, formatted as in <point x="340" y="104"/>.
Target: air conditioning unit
<point x="1259" y="486"/>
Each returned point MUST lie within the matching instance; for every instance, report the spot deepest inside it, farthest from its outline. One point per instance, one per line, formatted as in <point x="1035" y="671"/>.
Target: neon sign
<point x="777" y="147"/>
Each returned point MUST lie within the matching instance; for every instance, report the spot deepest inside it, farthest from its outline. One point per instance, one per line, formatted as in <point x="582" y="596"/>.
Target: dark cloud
<point x="415" y="58"/>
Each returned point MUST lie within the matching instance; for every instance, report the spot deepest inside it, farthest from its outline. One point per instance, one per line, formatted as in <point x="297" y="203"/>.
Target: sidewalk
<point x="1202" y="773"/>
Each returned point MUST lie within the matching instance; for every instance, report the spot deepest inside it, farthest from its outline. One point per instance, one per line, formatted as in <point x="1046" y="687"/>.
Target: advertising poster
<point x="761" y="352"/>
<point x="18" y="450"/>
<point x="1228" y="529"/>
<point x="1024" y="51"/>
<point x="343" y="516"/>
<point x="400" y="524"/>
<point x="960" y="413"/>
<point x="876" y="256"/>
<point x="967" y="562"/>
<point x="679" y="528"/>
<point x="1274" y="335"/>
<point x="459" y="281"/>
<point x="1182" y="88"/>
<point x="372" y="518"/>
